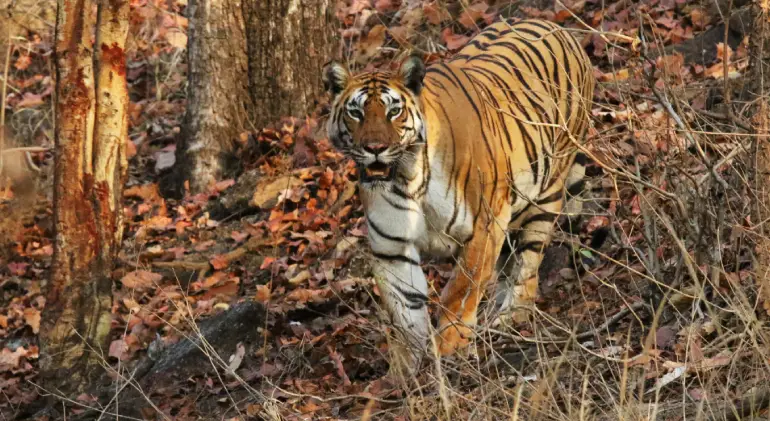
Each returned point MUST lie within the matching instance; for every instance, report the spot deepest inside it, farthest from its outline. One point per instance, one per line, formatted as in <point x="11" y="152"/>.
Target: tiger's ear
<point x="412" y="73"/>
<point x="335" y="77"/>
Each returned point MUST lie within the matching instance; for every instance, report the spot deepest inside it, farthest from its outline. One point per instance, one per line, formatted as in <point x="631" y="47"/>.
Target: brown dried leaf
<point x="453" y="41"/>
<point x="158" y="223"/>
<point x="724" y="52"/>
<point x="267" y="191"/>
<point x="219" y="262"/>
<point x="369" y="45"/>
<point x="670" y="64"/>
<point x="10" y="359"/>
<point x="337" y="359"/>
<point x="401" y="34"/>
<point x="32" y="318"/>
<point x="343" y="245"/>
<point x="300" y="277"/>
<point x="667" y="21"/>
<point x="435" y="13"/>
<point x="263" y="294"/>
<point x="119" y="349"/>
<point x="141" y="280"/>
<point x="239" y="236"/>
<point x="23" y="62"/>
<point x="303" y="295"/>
<point x="358" y="6"/>
<point x="148" y="192"/>
<point x="699" y="18"/>
<point x="229" y="289"/>
<point x="223" y="185"/>
<point x="30" y="100"/>
<point x="385" y="6"/>
<point x="471" y="14"/>
<point x="618" y="76"/>
<point x="412" y="18"/>
<point x="177" y="39"/>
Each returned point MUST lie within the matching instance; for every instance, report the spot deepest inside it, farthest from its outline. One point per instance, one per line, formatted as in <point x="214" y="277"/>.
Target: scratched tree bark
<point x="89" y="169"/>
<point x="289" y="42"/>
<point x="217" y="100"/>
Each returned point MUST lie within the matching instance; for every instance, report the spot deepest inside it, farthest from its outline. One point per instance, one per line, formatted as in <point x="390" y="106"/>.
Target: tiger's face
<point x="376" y="118"/>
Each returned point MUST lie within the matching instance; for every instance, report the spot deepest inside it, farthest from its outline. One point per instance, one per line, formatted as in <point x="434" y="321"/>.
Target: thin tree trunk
<point x="759" y="85"/>
<point x="217" y="99"/>
<point x="90" y="136"/>
<point x="111" y="131"/>
<point x="289" y="41"/>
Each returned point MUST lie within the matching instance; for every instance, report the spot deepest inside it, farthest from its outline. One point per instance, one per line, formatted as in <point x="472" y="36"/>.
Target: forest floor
<point x="267" y="276"/>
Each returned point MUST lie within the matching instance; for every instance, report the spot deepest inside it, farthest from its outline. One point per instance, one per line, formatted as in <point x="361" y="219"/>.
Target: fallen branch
<point x="27" y="149"/>
<point x="183" y="265"/>
<point x="252" y="245"/>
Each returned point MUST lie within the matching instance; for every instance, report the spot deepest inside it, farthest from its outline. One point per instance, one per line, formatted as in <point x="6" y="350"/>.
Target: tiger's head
<point x="376" y="117"/>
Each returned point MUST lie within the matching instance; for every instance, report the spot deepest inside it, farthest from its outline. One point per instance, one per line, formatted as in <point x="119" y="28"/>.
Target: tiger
<point x="459" y="158"/>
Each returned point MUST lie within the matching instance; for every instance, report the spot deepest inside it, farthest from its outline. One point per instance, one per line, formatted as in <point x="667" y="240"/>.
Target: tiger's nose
<point x="376" y="148"/>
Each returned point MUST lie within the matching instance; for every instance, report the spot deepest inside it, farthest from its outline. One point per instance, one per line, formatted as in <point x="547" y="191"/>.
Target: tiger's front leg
<point x="395" y="224"/>
<point x="460" y="298"/>
<point x="404" y="293"/>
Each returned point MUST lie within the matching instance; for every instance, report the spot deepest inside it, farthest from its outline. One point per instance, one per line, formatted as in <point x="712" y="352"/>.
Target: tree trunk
<point x="111" y="130"/>
<point x="90" y="136"/>
<point x="759" y="85"/>
<point x="217" y="103"/>
<point x="289" y="41"/>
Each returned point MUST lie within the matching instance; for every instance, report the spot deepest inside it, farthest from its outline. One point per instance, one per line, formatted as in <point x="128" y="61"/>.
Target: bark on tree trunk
<point x="90" y="136"/>
<point x="217" y="99"/>
<point x="759" y="86"/>
<point x="289" y="41"/>
<point x="111" y="130"/>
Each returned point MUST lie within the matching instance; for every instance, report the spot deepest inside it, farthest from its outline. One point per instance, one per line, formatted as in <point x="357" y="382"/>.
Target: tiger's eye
<point x="355" y="114"/>
<point x="393" y="113"/>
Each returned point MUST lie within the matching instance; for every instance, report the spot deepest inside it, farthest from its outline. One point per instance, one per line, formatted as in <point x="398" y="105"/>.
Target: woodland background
<point x="244" y="292"/>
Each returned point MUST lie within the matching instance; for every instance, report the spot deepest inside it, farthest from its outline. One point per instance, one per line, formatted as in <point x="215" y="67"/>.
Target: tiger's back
<point x="507" y="107"/>
<point x="504" y="119"/>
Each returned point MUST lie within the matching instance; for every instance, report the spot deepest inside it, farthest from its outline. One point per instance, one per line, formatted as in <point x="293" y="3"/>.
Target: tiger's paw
<point x="518" y="304"/>
<point x="521" y="314"/>
<point x="451" y="338"/>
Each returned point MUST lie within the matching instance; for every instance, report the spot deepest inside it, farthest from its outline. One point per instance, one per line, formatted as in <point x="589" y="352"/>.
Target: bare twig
<point x="625" y="311"/>
<point x="729" y="117"/>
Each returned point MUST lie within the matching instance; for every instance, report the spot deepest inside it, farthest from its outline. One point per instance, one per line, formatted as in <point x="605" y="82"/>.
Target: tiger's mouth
<point x="377" y="171"/>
